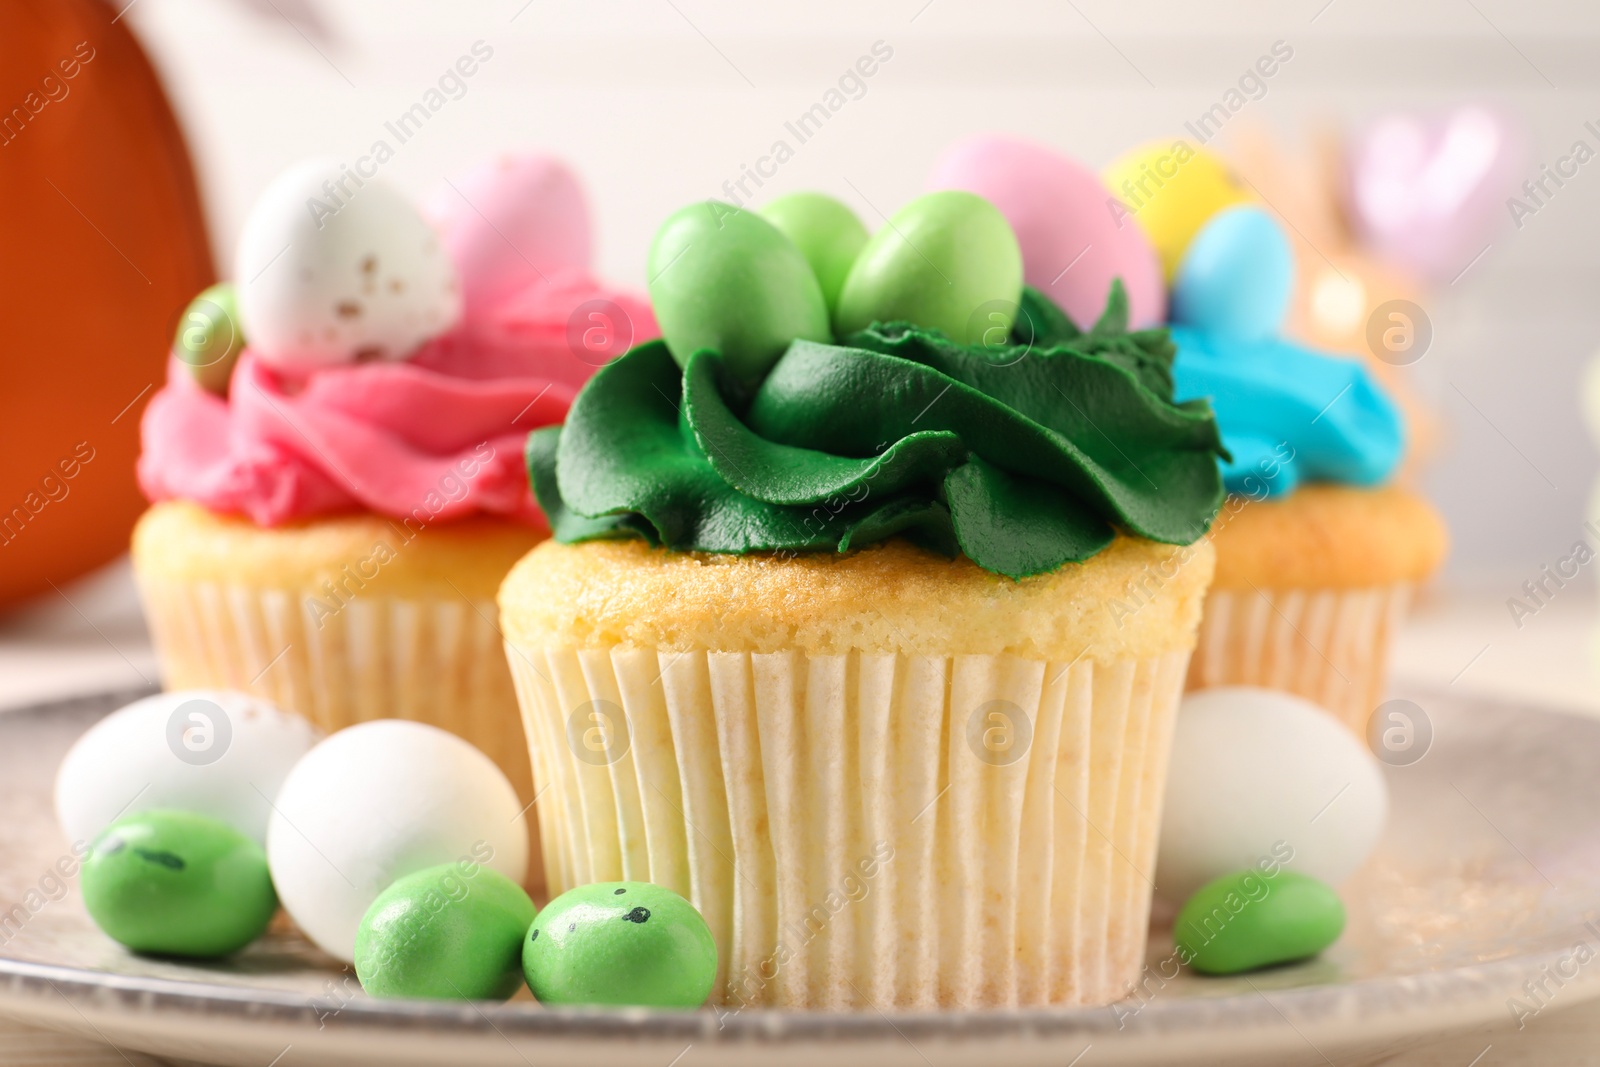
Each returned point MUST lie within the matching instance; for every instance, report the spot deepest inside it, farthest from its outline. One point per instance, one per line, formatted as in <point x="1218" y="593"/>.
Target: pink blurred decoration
<point x="1072" y="244"/>
<point x="1423" y="193"/>
<point x="510" y="223"/>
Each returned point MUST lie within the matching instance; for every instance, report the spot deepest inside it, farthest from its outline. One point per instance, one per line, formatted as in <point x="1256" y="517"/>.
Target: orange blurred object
<point x="104" y="244"/>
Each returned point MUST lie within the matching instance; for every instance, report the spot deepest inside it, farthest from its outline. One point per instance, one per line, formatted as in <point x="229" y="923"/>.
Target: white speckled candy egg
<point x="217" y="753"/>
<point x="1259" y="774"/>
<point x="333" y="268"/>
<point x="376" y="802"/>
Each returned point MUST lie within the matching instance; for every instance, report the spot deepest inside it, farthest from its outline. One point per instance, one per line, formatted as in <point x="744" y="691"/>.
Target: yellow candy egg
<point x="1170" y="189"/>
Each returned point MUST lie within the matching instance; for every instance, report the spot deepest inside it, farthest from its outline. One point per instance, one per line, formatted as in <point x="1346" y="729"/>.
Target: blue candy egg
<point x="1236" y="277"/>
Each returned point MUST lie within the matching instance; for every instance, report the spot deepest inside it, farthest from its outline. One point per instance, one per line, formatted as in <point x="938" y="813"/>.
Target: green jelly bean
<point x="1245" y="921"/>
<point x="209" y="337"/>
<point x="825" y="231"/>
<point x="178" y="884"/>
<point x="452" y="932"/>
<point x="726" y="280"/>
<point x="947" y="261"/>
<point x="630" y="943"/>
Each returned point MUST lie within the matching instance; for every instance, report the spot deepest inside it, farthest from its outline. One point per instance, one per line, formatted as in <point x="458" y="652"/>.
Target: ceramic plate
<point x="1489" y="868"/>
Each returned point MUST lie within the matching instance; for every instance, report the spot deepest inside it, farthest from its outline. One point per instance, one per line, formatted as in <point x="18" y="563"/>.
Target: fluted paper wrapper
<point x="866" y="829"/>
<point x="435" y="661"/>
<point x="1330" y="646"/>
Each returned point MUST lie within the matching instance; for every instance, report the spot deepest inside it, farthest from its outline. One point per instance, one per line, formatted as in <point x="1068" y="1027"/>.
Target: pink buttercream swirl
<point x="436" y="437"/>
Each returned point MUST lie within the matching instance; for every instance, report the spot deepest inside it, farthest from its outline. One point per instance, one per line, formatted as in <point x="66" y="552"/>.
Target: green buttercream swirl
<point x="1023" y="457"/>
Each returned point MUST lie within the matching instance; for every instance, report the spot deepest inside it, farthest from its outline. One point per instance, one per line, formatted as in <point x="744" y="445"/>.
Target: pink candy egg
<point x="511" y="222"/>
<point x="1072" y="242"/>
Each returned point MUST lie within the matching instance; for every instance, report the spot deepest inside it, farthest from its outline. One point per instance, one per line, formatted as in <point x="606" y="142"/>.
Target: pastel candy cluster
<point x="1258" y="772"/>
<point x="376" y="802"/>
<point x="1271" y="803"/>
<point x="1171" y="189"/>
<point x="365" y="351"/>
<point x="1073" y="238"/>
<point x="174" y="793"/>
<point x="460" y="932"/>
<point x="1288" y="414"/>
<point x="1177" y="213"/>
<point x="392" y="844"/>
<point x="746" y="285"/>
<point x="204" y="808"/>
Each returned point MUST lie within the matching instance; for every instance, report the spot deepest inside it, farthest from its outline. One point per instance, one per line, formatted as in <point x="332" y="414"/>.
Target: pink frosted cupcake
<point x="336" y="501"/>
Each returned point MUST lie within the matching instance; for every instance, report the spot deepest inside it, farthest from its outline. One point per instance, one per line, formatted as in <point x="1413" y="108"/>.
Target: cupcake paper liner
<point x="435" y="661"/>
<point x="866" y="829"/>
<point x="1330" y="646"/>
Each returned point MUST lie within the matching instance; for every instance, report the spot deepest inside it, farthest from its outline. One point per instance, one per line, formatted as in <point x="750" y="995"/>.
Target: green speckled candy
<point x="629" y="943"/>
<point x="726" y="280"/>
<point x="452" y="932"/>
<point x="947" y="261"/>
<point x="178" y="884"/>
<point x="826" y="232"/>
<point x="1245" y="921"/>
<point x="209" y="337"/>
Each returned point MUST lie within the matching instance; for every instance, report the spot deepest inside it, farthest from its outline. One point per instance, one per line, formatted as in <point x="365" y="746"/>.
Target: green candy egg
<point x="452" y="932"/>
<point x="209" y="337"/>
<point x="727" y="280"/>
<point x="1245" y="921"/>
<point x="630" y="943"/>
<point x="826" y="232"/>
<point x="175" y="883"/>
<point x="947" y="261"/>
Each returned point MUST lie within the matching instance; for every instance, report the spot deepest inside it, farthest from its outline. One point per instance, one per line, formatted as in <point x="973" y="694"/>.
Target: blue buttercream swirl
<point x="1288" y="414"/>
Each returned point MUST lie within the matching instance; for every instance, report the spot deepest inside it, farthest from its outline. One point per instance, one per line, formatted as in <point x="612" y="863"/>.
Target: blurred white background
<point x="657" y="102"/>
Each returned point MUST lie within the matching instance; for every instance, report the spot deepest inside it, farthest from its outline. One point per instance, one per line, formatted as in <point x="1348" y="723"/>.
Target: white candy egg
<point x="378" y="801"/>
<point x="1259" y="773"/>
<point x="333" y="268"/>
<point x="214" y="752"/>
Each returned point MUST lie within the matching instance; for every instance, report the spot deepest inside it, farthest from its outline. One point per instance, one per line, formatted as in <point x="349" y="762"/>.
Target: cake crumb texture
<point x="1328" y="536"/>
<point x="178" y="540"/>
<point x="1136" y="599"/>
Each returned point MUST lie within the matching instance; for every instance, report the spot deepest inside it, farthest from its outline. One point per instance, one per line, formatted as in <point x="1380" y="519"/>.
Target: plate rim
<point x="21" y="979"/>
